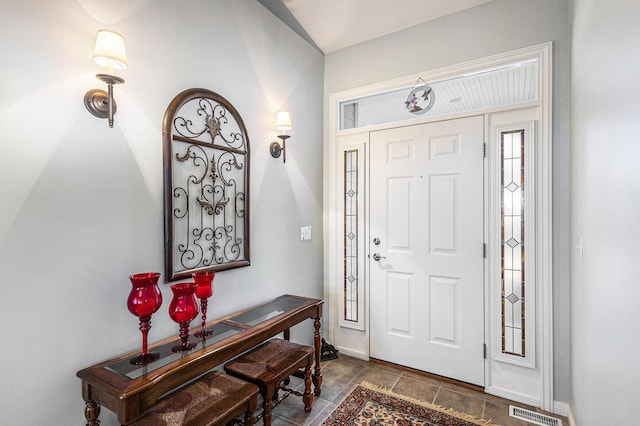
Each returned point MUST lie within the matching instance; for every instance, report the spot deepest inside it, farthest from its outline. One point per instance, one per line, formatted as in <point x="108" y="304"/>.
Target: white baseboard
<point x="512" y="396"/>
<point x="355" y="354"/>
<point x="561" y="408"/>
<point x="572" y="420"/>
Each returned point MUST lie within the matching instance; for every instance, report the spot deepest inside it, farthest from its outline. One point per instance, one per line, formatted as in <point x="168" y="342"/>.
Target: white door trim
<point x="332" y="287"/>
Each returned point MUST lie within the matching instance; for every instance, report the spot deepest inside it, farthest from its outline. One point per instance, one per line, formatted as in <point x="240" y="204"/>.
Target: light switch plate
<point x="305" y="233"/>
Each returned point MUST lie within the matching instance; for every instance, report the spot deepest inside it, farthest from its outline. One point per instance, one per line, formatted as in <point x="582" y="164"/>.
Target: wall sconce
<point x="109" y="52"/>
<point x="283" y="123"/>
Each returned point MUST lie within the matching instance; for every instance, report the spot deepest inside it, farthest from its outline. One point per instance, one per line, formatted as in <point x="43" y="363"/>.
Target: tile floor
<point x="342" y="375"/>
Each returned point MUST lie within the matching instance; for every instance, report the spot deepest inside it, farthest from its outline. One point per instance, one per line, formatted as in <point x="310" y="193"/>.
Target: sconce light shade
<point x="283" y="123"/>
<point x="109" y="51"/>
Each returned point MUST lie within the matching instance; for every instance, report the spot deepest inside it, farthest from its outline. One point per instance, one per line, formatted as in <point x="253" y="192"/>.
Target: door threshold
<point x="430" y="375"/>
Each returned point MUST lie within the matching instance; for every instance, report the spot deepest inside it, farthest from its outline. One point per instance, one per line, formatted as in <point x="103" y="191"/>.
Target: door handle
<point x="377" y="257"/>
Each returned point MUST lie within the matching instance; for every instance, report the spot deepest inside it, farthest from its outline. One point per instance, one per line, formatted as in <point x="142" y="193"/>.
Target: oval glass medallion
<point x="420" y="99"/>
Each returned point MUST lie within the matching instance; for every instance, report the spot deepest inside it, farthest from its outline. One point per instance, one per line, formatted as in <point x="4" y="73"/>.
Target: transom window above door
<point x="511" y="84"/>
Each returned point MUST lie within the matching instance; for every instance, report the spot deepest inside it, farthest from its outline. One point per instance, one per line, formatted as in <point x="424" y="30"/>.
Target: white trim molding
<point x="572" y="419"/>
<point x="561" y="408"/>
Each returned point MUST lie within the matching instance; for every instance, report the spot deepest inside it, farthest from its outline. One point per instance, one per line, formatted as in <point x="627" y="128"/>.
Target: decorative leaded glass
<point x="512" y="244"/>
<point x="351" y="235"/>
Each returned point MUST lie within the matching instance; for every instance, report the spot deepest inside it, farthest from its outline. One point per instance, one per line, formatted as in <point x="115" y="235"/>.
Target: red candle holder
<point x="183" y="309"/>
<point x="144" y="299"/>
<point x="204" y="281"/>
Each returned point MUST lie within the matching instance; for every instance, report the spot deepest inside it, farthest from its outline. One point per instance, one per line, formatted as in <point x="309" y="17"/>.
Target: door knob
<point x="377" y="257"/>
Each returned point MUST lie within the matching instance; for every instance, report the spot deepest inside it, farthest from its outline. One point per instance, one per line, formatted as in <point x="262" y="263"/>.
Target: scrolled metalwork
<point x="206" y="163"/>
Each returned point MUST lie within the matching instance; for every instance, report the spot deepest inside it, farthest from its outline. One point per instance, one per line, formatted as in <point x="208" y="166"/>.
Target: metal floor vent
<point x="533" y="417"/>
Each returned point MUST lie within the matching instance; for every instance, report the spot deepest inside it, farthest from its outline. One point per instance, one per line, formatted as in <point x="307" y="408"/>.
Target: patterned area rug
<point x="370" y="405"/>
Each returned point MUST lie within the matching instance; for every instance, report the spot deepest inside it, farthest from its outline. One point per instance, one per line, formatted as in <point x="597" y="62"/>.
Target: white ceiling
<point x="336" y="24"/>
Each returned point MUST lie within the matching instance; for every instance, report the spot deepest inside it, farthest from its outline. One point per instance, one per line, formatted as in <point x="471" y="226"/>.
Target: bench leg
<point x="307" y="397"/>
<point x="267" y="404"/>
<point x="249" y="418"/>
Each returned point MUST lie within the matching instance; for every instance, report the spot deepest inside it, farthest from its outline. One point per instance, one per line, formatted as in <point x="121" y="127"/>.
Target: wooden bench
<point x="213" y="399"/>
<point x="271" y="364"/>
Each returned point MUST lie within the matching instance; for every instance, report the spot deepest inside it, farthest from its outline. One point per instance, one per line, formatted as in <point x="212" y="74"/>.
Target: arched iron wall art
<point x="206" y="185"/>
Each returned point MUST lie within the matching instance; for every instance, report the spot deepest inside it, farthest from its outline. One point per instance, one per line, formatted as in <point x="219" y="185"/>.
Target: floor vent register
<point x="533" y="417"/>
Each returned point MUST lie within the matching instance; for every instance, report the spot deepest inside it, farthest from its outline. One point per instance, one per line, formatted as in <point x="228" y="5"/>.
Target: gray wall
<point x="605" y="207"/>
<point x="492" y="28"/>
<point x="81" y="204"/>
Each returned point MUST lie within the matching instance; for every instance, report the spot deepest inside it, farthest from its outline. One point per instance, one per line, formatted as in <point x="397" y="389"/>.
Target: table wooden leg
<point x="317" y="375"/>
<point x="287" y="337"/>
<point x="91" y="413"/>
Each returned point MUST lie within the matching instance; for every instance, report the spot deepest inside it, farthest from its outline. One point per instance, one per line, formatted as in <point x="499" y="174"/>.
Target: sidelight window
<point x="513" y="242"/>
<point x="351" y="278"/>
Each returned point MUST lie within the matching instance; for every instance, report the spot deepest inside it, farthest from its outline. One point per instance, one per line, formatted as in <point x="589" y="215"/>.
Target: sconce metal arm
<point x="276" y="149"/>
<point x="100" y="103"/>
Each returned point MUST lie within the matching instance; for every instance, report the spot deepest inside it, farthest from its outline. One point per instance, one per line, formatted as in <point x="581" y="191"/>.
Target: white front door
<point x="426" y="248"/>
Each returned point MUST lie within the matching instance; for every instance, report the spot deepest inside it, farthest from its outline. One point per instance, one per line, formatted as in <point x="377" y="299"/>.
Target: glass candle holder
<point x="204" y="281"/>
<point x="183" y="309"/>
<point x="144" y="299"/>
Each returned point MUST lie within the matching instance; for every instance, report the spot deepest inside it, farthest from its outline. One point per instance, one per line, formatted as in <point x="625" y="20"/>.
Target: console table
<point x="128" y="390"/>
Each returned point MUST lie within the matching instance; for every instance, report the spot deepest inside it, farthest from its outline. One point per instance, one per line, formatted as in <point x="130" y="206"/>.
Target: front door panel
<point x="426" y="206"/>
